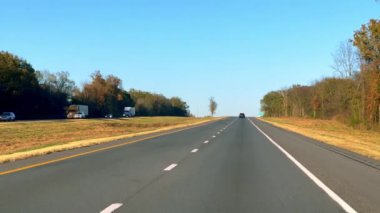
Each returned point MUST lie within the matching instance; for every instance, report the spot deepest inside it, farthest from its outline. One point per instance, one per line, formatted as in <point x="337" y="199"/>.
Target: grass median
<point x="332" y="132"/>
<point x="30" y="138"/>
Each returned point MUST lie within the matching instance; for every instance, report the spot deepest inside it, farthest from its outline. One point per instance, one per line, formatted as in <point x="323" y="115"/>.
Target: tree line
<point x="352" y="97"/>
<point x="34" y="94"/>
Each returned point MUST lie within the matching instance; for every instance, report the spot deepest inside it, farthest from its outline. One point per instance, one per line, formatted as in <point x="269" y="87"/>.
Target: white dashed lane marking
<point x="172" y="166"/>
<point x="112" y="208"/>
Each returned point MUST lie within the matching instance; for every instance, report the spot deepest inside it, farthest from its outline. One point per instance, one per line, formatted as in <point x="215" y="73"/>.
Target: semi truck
<point x="77" y="111"/>
<point x="129" y="112"/>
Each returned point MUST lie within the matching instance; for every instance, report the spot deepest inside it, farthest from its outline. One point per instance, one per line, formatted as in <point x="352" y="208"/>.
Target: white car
<point x="79" y="115"/>
<point x="7" y="116"/>
<point x="108" y="116"/>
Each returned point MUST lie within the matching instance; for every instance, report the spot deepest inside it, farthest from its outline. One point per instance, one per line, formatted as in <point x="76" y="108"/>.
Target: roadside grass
<point x="30" y="135"/>
<point x="364" y="142"/>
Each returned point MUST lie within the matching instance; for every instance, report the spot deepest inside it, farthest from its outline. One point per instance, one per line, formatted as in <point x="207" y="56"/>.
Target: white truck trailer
<point x="129" y="112"/>
<point x="74" y="110"/>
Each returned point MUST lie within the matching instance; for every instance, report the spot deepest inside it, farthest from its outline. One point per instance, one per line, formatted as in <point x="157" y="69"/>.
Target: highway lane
<point x="239" y="172"/>
<point x="345" y="174"/>
<point x="226" y="166"/>
<point x="89" y="183"/>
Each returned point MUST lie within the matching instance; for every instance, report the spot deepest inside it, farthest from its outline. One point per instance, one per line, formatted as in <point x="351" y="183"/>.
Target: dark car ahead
<point x="241" y="115"/>
<point x="7" y="116"/>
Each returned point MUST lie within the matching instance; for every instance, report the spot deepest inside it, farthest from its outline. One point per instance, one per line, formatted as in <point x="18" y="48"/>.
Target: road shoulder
<point x="341" y="151"/>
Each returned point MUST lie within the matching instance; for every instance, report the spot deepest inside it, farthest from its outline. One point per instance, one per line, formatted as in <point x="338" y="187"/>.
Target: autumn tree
<point x="353" y="97"/>
<point x="327" y="98"/>
<point x="104" y="95"/>
<point x="29" y="93"/>
<point x="272" y="104"/>
<point x="285" y="100"/>
<point x="179" y="107"/>
<point x="299" y="100"/>
<point x="18" y="83"/>
<point x="19" y="89"/>
<point x="367" y="40"/>
<point x="212" y="106"/>
<point x="336" y="97"/>
<point x="151" y="104"/>
<point x="34" y="94"/>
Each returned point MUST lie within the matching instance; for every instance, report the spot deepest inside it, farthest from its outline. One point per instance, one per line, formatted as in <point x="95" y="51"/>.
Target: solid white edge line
<point x="319" y="183"/>
<point x="170" y="167"/>
<point x="194" y="150"/>
<point x="112" y="208"/>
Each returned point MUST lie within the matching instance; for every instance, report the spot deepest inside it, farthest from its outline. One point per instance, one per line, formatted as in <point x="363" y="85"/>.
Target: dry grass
<point x="332" y="132"/>
<point x="30" y="135"/>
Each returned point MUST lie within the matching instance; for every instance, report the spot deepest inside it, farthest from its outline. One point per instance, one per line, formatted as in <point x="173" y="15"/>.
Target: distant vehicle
<point x="7" y="116"/>
<point x="241" y="115"/>
<point x="108" y="116"/>
<point x="79" y="115"/>
<point x="76" y="109"/>
<point x="129" y="112"/>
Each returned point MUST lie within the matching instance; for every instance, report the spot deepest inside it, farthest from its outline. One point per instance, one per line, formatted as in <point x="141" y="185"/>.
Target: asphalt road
<point x="233" y="165"/>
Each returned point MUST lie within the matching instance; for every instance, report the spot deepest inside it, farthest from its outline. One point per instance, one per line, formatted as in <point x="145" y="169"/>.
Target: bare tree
<point x="346" y="60"/>
<point x="213" y="105"/>
<point x="59" y="81"/>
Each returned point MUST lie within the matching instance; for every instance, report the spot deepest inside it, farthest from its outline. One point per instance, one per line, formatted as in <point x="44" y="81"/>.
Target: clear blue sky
<point x="235" y="50"/>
